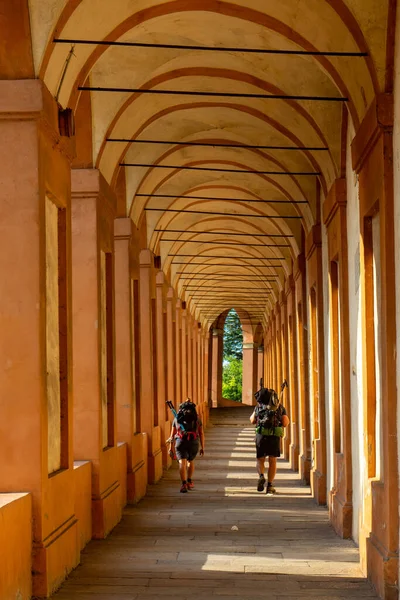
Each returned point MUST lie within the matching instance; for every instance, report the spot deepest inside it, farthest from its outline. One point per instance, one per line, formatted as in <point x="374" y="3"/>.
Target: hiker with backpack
<point x="270" y="419"/>
<point x="185" y="441"/>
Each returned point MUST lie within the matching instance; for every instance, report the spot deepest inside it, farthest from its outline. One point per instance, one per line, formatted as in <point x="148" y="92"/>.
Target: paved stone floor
<point x="222" y="540"/>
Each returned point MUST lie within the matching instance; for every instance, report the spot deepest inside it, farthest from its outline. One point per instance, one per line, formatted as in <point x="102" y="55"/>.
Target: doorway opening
<point x="232" y="360"/>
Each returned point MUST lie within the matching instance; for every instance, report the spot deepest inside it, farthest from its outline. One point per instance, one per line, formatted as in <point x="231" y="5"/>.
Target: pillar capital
<point x="378" y="119"/>
<point x="123" y="228"/>
<point x="217" y="332"/>
<point x="314" y="240"/>
<point x="336" y="198"/>
<point x="299" y="266"/>
<point x="145" y="258"/>
<point x="249" y="345"/>
<point x="160" y="278"/>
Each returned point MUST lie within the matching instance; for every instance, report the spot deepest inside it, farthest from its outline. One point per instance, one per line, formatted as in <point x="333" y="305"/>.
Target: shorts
<point x="268" y="445"/>
<point x="186" y="448"/>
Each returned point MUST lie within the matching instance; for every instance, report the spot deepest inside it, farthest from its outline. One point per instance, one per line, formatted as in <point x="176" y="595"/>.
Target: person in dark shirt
<point x="185" y="442"/>
<point x="270" y="419"/>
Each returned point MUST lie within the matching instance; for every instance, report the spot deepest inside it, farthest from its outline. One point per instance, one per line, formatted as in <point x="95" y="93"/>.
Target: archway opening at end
<point x="232" y="361"/>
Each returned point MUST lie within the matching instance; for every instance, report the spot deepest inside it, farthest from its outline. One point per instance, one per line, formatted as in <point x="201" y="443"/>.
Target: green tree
<point x="232" y="379"/>
<point x="233" y="336"/>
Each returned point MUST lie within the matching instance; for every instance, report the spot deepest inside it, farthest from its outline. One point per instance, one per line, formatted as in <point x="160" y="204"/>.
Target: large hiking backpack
<point x="187" y="418"/>
<point x="268" y="412"/>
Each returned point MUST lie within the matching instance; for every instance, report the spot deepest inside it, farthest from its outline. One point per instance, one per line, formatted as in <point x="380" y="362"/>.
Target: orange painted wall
<point x="16" y="538"/>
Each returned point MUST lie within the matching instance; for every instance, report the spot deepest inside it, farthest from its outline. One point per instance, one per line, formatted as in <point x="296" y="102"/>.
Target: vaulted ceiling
<point x="236" y="177"/>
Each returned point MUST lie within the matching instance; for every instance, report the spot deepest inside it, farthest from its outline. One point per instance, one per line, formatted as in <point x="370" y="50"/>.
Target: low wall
<point x="226" y="403"/>
<point x="16" y="545"/>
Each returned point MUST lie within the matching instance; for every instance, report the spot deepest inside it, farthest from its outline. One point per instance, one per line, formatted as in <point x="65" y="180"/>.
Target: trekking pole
<point x="172" y="409"/>
<point x="283" y="386"/>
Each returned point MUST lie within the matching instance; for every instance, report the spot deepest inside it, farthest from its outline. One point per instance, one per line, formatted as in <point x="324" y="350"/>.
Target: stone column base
<point x="318" y="487"/>
<point x="53" y="558"/>
<point x="383" y="569"/>
<point x="341" y="514"/>
<point x="305" y="468"/>
<point x="155" y="466"/>
<point x="106" y="511"/>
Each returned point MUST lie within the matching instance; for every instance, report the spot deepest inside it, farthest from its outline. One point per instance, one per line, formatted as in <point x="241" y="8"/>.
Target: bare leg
<point x="183" y="469"/>
<point x="261" y="465"/>
<point x="271" y="468"/>
<point x="190" y="469"/>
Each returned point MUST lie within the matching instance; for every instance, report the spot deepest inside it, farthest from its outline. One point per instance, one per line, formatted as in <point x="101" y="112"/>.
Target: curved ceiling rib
<point x="217" y="205"/>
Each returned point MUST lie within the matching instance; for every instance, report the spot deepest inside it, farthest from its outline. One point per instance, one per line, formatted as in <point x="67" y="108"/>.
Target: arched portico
<point x="161" y="162"/>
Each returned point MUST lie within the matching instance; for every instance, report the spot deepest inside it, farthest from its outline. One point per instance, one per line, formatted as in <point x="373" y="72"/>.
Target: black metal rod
<point x="223" y="214"/>
<point x="205" y="275"/>
<point x="221" y="243"/>
<point x="221" y="199"/>
<point x="220" y="256"/>
<point x="272" y="266"/>
<point x="215" y="145"/>
<point x="272" y="235"/>
<point x="89" y="88"/>
<point x="236" y="275"/>
<point x="220" y="295"/>
<point x="199" y="286"/>
<point x="209" y="48"/>
<point x="249" y="171"/>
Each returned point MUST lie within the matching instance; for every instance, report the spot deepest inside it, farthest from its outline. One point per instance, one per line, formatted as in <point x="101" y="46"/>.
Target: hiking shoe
<point x="261" y="484"/>
<point x="270" y="489"/>
<point x="190" y="485"/>
<point x="184" y="488"/>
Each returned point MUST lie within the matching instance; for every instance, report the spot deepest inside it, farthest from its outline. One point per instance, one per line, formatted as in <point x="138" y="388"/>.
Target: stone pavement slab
<point x="223" y="539"/>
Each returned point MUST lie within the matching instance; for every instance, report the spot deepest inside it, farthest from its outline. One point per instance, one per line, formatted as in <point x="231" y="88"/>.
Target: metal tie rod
<point x="222" y="243"/>
<point x="234" y="277"/>
<point x="89" y="88"/>
<point x="228" y="256"/>
<point x="225" y="264"/>
<point x="223" y="214"/>
<point x="272" y="235"/>
<point x="249" y="171"/>
<point x="220" y="199"/>
<point x="215" y="145"/>
<point x="209" y="48"/>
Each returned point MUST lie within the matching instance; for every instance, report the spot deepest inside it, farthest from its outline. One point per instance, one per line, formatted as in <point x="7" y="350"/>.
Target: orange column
<point x="317" y="358"/>
<point x="278" y="346"/>
<point x="207" y="373"/>
<point x="178" y="337"/>
<point x="189" y="354"/>
<point x="148" y="401"/>
<point x="302" y="355"/>
<point x="372" y="159"/>
<point x="93" y="208"/>
<point x="285" y="369"/>
<point x="35" y="324"/>
<point x="293" y="374"/>
<point x="260" y="364"/>
<point x="125" y="388"/>
<point x="162" y="360"/>
<point x="195" y="365"/>
<point x="341" y="508"/>
<point x="184" y="355"/>
<point x="171" y="346"/>
<point x="249" y="380"/>
<point x="216" y="373"/>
